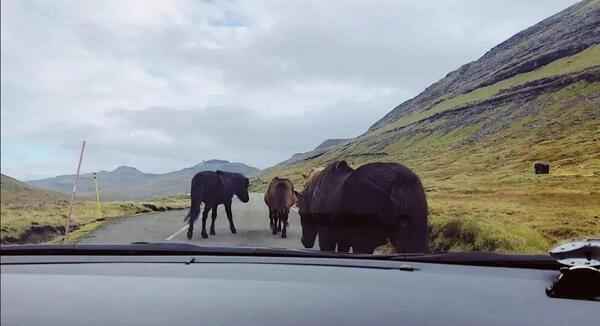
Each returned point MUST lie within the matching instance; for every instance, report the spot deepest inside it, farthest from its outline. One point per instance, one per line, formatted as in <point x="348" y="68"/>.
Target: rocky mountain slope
<point x="127" y="182"/>
<point x="474" y="135"/>
<point x="562" y="35"/>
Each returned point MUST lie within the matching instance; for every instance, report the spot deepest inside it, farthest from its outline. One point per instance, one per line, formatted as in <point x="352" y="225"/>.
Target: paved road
<point x="250" y="220"/>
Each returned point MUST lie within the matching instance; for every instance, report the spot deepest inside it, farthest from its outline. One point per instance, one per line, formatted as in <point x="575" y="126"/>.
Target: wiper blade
<point x="482" y="259"/>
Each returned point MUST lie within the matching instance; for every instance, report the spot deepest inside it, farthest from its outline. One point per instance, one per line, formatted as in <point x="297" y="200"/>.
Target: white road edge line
<point x="169" y="238"/>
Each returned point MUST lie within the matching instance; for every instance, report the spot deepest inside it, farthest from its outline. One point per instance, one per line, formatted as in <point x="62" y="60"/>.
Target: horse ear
<point x="342" y="165"/>
<point x="220" y="176"/>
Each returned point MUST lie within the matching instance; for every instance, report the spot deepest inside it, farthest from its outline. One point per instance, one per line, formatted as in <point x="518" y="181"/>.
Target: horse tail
<point x="283" y="195"/>
<point x="285" y="214"/>
<point x="279" y="213"/>
<point x="196" y="200"/>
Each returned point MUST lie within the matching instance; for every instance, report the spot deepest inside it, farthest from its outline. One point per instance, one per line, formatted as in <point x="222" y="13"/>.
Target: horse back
<point x="280" y="194"/>
<point x="208" y="188"/>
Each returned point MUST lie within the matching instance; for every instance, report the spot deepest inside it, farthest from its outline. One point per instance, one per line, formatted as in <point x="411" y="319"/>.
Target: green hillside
<point x="474" y="136"/>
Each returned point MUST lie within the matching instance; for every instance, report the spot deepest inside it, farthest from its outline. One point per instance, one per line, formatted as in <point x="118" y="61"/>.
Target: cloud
<point x="165" y="84"/>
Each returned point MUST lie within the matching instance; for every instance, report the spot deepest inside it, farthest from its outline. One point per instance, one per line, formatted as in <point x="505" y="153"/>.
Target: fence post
<point x="98" y="205"/>
<point x="75" y="183"/>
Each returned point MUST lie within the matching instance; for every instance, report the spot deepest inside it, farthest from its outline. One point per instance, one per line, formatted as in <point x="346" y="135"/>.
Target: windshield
<point x="349" y="127"/>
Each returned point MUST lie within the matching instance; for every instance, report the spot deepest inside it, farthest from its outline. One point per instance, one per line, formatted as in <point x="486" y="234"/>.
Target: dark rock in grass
<point x="541" y="168"/>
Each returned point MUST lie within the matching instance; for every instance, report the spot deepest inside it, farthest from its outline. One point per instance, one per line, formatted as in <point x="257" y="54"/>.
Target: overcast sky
<point x="162" y="85"/>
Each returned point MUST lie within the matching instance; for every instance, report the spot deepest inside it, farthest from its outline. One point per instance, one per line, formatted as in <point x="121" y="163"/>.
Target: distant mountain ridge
<point x="316" y="152"/>
<point x="126" y="182"/>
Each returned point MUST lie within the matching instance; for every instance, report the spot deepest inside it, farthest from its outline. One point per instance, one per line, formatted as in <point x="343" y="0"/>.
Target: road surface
<point x="251" y="221"/>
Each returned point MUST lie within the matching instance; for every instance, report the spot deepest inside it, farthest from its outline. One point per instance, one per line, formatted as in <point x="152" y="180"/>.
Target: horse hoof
<point x="189" y="235"/>
<point x="212" y="232"/>
<point x="204" y="235"/>
<point x="283" y="236"/>
<point x="234" y="231"/>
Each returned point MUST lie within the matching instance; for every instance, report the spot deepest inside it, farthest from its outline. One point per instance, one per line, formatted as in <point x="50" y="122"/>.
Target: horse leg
<point x="363" y="246"/>
<point x="193" y="214"/>
<point x="343" y="245"/>
<point x="230" y="217"/>
<point x="327" y="239"/>
<point x="190" y="230"/>
<point x="279" y="217"/>
<point x="204" y="217"/>
<point x="213" y="217"/>
<point x="345" y="239"/>
<point x="273" y="221"/>
<point x="285" y="223"/>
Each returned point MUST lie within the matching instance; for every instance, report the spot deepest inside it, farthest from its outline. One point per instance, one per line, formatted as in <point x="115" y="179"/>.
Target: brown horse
<point x="364" y="208"/>
<point x="280" y="197"/>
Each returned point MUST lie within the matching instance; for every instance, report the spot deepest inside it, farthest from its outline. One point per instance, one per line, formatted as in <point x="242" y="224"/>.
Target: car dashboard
<point x="243" y="290"/>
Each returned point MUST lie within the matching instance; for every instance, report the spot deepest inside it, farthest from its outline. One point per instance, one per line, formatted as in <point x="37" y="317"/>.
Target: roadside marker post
<point x="75" y="183"/>
<point x="98" y="204"/>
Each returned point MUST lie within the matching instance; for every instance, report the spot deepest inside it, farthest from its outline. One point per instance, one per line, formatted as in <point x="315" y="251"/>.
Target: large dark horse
<point x="319" y="206"/>
<point x="364" y="208"/>
<point x="214" y="189"/>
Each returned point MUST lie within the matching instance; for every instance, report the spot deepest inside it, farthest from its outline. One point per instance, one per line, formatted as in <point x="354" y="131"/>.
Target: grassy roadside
<point x="520" y="214"/>
<point x="29" y="221"/>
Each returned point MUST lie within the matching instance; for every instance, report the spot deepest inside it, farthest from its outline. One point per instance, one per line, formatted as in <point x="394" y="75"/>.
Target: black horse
<point x="364" y="208"/>
<point x="214" y="189"/>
